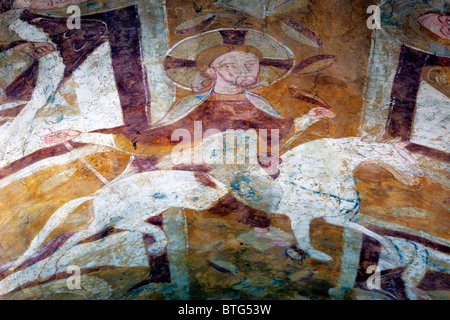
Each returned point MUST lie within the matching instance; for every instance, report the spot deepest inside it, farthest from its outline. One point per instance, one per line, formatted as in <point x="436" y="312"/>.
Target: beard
<point x="246" y="81"/>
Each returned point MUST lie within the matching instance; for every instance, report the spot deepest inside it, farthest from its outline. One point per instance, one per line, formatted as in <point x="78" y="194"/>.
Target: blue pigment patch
<point x="244" y="190"/>
<point x="93" y="5"/>
<point x="159" y="195"/>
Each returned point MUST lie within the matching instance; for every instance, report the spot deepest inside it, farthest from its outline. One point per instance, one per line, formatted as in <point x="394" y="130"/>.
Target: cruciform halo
<point x="182" y="66"/>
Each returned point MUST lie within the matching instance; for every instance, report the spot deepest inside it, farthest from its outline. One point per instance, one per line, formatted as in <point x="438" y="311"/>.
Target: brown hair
<point x="206" y="57"/>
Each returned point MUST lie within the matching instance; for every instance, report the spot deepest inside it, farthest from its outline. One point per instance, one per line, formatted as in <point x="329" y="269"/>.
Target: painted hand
<point x="320" y="113"/>
<point x="61" y="136"/>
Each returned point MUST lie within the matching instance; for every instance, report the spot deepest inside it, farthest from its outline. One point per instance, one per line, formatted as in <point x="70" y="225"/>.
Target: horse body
<point x="315" y="181"/>
<point x="147" y="195"/>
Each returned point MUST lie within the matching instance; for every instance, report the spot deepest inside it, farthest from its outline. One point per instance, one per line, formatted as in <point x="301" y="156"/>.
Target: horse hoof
<point x="295" y="254"/>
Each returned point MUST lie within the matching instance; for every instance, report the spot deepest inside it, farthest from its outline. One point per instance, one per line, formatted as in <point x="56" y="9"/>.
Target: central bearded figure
<point x="227" y="105"/>
<point x="149" y="186"/>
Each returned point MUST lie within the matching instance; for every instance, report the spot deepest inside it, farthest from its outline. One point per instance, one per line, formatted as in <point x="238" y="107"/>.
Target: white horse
<point x="316" y="181"/>
<point x="144" y="195"/>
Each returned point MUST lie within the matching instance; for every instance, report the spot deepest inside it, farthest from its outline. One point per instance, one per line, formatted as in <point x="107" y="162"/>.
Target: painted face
<point x="437" y="23"/>
<point x="237" y="68"/>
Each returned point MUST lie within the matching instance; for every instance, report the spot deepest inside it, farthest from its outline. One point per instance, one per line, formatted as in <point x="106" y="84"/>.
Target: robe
<point x="216" y="112"/>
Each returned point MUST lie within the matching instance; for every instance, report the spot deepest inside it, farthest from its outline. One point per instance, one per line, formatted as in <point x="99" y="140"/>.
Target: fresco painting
<point x="224" y="150"/>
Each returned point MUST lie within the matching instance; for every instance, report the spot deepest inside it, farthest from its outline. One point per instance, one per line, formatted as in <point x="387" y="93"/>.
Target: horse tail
<point x="56" y="219"/>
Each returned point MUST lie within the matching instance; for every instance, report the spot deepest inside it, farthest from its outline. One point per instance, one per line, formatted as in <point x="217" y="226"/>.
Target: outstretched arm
<point x="62" y="136"/>
<point x="153" y="147"/>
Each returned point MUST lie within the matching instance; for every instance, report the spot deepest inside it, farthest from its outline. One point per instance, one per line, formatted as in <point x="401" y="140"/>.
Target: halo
<point x="399" y="21"/>
<point x="180" y="63"/>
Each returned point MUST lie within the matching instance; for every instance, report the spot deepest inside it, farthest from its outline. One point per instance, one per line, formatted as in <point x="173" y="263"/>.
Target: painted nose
<point x="244" y="70"/>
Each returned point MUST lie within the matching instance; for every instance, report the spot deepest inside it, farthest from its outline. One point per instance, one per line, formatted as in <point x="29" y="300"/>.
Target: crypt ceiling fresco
<point x="229" y="149"/>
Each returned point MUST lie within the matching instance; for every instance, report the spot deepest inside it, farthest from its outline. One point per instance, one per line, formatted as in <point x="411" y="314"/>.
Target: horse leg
<point x="301" y="231"/>
<point x="342" y="221"/>
<point x="415" y="271"/>
<point x="160" y="243"/>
